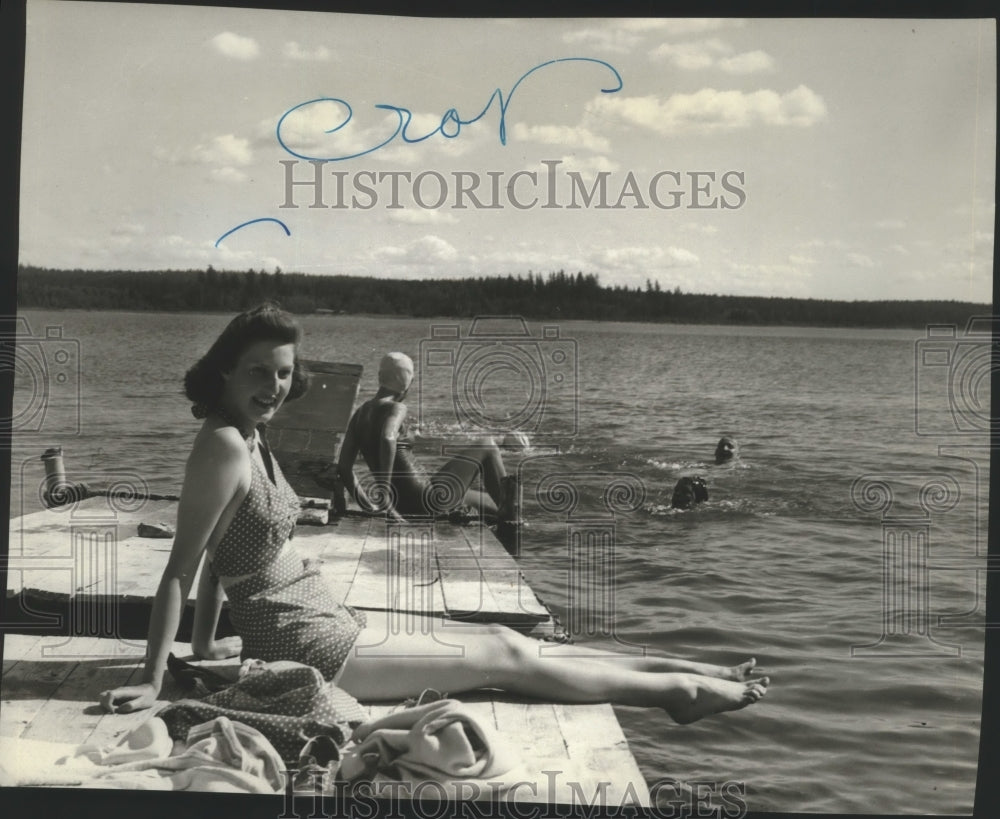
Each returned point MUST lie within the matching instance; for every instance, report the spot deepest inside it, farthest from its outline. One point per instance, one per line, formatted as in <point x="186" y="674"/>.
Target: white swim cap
<point x="395" y="372"/>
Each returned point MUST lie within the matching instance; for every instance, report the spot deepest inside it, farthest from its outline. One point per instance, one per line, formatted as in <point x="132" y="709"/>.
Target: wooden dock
<point x="81" y="580"/>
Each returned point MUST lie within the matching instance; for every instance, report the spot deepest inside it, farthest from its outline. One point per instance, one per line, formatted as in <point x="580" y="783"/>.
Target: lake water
<point x="781" y="563"/>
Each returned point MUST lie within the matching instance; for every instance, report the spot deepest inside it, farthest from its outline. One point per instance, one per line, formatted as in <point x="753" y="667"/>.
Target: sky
<point x="840" y="159"/>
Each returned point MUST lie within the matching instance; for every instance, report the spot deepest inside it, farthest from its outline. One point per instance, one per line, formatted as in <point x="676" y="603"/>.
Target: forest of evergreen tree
<point x="557" y="295"/>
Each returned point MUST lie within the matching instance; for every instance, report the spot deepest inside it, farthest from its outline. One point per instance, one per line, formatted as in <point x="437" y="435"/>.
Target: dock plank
<point x="512" y="595"/>
<point x="466" y="590"/>
<point x="397" y="571"/>
<point x="595" y="741"/>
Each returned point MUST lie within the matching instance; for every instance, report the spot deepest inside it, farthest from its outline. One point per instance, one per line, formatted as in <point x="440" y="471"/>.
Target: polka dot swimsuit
<point x="261" y="525"/>
<point x="282" y="611"/>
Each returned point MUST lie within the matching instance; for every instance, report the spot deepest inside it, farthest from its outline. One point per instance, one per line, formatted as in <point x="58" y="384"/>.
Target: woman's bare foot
<point x="744" y="671"/>
<point x="706" y="696"/>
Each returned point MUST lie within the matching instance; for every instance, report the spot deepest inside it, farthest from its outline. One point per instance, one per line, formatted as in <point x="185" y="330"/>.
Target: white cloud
<point x="225" y="149"/>
<point x="235" y="46"/>
<point x="647" y="257"/>
<point x="697" y="55"/>
<point x="226" y="154"/>
<point x="426" y="250"/>
<point x="626" y="35"/>
<point x="711" y="111"/>
<point x="749" y="62"/>
<point x="293" y="51"/>
<point x="801" y="260"/>
<point x="861" y="260"/>
<point x="566" y="136"/>
<point x="691" y="56"/>
<point x="323" y="130"/>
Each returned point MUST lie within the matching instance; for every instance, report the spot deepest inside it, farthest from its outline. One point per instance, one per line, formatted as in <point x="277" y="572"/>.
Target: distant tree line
<point x="557" y="295"/>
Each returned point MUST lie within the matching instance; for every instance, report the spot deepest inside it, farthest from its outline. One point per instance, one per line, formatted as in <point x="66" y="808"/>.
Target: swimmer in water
<point x="378" y="430"/>
<point x="689" y="492"/>
<point x="726" y="450"/>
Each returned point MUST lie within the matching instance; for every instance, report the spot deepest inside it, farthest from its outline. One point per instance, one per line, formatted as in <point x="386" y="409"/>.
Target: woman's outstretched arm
<point x="207" y="608"/>
<point x="345" y="464"/>
<point x="350" y="448"/>
<point x="218" y="466"/>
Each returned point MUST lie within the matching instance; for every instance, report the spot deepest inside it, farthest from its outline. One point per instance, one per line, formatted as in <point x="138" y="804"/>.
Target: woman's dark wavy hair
<point x="203" y="383"/>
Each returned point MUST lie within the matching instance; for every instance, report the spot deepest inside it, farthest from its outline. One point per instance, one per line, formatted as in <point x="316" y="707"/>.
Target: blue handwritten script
<point x="252" y="222"/>
<point x="451" y="121"/>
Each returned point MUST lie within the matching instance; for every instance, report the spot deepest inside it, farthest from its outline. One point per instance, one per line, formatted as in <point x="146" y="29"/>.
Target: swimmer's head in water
<point x="688" y="492"/>
<point x="395" y="372"/>
<point x="726" y="450"/>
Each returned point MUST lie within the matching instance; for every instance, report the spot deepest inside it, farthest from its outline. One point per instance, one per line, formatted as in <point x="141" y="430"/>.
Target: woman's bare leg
<point x="482" y="458"/>
<point x="656" y="664"/>
<point x="406" y="663"/>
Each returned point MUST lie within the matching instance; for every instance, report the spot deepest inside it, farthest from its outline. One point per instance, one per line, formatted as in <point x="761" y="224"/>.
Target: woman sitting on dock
<point x="378" y="430"/>
<point x="237" y="509"/>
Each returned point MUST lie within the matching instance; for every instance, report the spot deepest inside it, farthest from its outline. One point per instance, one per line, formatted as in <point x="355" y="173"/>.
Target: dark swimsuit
<point x="408" y="482"/>
<point x="282" y="611"/>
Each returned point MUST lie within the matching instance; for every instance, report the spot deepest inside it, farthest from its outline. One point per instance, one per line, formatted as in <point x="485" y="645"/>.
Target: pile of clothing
<point x="282" y="724"/>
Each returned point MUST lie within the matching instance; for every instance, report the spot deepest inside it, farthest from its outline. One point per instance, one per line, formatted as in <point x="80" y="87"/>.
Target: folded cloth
<point x="288" y="702"/>
<point x="442" y="741"/>
<point x="149" y="740"/>
<point x="219" y="755"/>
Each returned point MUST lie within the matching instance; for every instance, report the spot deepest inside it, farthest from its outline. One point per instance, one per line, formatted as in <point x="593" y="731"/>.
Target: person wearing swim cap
<point x="378" y="430"/>
<point x="727" y="450"/>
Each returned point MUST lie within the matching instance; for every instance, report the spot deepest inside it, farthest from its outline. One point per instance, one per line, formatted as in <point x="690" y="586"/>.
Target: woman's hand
<point x="129" y="698"/>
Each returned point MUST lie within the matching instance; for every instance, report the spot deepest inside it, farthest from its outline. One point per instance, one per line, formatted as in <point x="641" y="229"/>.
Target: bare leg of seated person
<point x="408" y="661"/>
